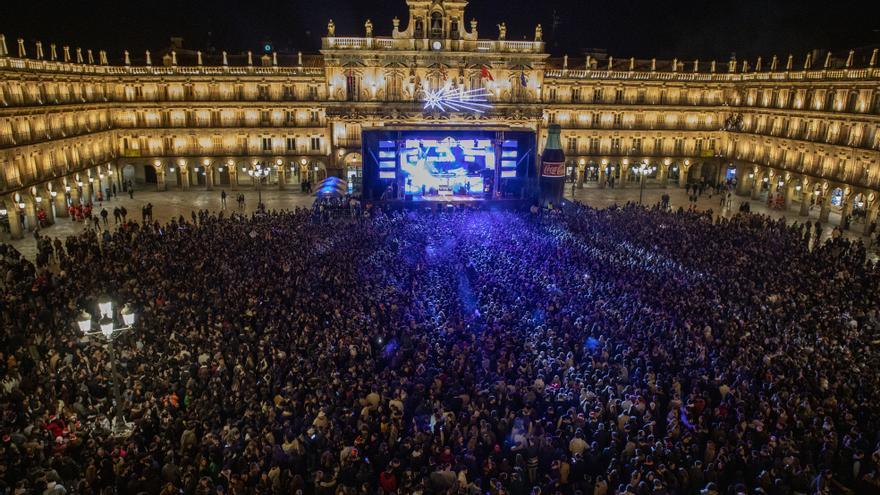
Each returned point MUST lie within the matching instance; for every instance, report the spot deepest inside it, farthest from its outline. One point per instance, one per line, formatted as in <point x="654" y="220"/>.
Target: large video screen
<point x="446" y="167"/>
<point x="436" y="165"/>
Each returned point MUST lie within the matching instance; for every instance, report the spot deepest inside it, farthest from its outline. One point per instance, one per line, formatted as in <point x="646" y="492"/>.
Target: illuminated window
<point x="316" y="143"/>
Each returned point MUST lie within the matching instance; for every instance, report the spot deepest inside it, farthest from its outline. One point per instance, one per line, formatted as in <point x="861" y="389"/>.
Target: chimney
<point x="870" y="64"/>
<point x="712" y="67"/>
<point x="697" y="65"/>
<point x="66" y="51"/>
<point x="39" y="50"/>
<point x="21" y="51"/>
<point x="789" y="64"/>
<point x="808" y="62"/>
<point x="91" y="58"/>
<point x="79" y="56"/>
<point x="632" y="64"/>
<point x="758" y="65"/>
<point x="102" y="56"/>
<point x="53" y="53"/>
<point x="774" y="62"/>
<point x="3" y="51"/>
<point x="827" y="60"/>
<point x="849" y="58"/>
<point x="653" y="64"/>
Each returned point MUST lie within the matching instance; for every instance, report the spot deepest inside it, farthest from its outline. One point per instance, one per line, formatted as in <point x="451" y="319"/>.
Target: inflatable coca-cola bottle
<point x="552" y="169"/>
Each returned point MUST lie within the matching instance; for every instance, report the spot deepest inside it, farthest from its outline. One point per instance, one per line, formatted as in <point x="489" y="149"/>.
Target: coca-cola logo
<point x="553" y="169"/>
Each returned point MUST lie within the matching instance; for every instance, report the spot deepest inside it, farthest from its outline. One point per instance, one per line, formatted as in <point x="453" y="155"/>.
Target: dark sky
<point x="640" y="28"/>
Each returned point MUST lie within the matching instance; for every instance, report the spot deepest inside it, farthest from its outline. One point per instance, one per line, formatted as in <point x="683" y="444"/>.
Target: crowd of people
<point x="626" y="350"/>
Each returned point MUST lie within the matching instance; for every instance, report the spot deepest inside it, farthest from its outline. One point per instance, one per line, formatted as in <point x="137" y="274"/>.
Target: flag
<point x="485" y="74"/>
<point x="523" y="80"/>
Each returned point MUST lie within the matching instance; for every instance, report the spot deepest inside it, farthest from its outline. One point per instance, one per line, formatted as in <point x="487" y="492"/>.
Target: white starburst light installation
<point x="457" y="100"/>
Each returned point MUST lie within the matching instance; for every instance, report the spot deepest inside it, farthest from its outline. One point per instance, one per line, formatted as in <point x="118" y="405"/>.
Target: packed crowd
<point x="596" y="352"/>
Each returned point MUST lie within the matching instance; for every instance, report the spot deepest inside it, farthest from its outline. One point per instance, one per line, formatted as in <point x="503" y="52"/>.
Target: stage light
<point x="457" y="100"/>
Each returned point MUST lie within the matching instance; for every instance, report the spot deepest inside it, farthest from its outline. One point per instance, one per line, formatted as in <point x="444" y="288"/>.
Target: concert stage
<point x="454" y="165"/>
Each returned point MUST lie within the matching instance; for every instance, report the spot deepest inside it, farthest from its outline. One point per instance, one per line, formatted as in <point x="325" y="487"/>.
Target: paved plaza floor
<point x="174" y="203"/>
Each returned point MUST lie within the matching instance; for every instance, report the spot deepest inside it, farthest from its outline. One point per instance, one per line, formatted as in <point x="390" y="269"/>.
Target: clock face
<point x="437" y="45"/>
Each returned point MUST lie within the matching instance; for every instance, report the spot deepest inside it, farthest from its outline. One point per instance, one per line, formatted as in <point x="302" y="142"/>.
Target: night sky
<point x="640" y="28"/>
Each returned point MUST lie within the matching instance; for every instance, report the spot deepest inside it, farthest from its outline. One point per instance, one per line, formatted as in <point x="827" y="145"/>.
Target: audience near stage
<point x="596" y="352"/>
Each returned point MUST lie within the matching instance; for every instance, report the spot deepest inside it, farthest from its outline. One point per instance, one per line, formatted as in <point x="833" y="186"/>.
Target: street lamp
<point x="259" y="173"/>
<point x="643" y="170"/>
<point x="108" y="330"/>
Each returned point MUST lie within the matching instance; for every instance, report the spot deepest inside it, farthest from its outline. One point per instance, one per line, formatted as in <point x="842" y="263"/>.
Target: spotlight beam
<point x="457" y="100"/>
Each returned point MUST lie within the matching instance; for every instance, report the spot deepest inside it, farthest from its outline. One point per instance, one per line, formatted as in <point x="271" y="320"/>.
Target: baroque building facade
<point x="803" y="131"/>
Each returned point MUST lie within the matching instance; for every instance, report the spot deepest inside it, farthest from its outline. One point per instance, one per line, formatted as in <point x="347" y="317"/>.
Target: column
<point x="233" y="176"/>
<point x="75" y="193"/>
<point x="14" y="216"/>
<point x="683" y="172"/>
<point x="60" y="200"/>
<point x="663" y="174"/>
<point x="46" y="205"/>
<point x="282" y="177"/>
<point x="624" y="175"/>
<point x="99" y="185"/>
<point x="847" y="206"/>
<point x="758" y="182"/>
<point x="184" y="177"/>
<point x="741" y="176"/>
<point x="602" y="175"/>
<point x="871" y="216"/>
<point x="30" y="212"/>
<point x="87" y="190"/>
<point x="117" y="173"/>
<point x="806" y="197"/>
<point x="825" y="209"/>
<point x="209" y="178"/>
<point x="161" y="185"/>
<point x="787" y="193"/>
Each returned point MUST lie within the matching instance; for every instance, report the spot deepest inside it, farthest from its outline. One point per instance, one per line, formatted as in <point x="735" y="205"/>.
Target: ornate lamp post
<point x="259" y="173"/>
<point x="108" y="330"/>
<point x="643" y="170"/>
